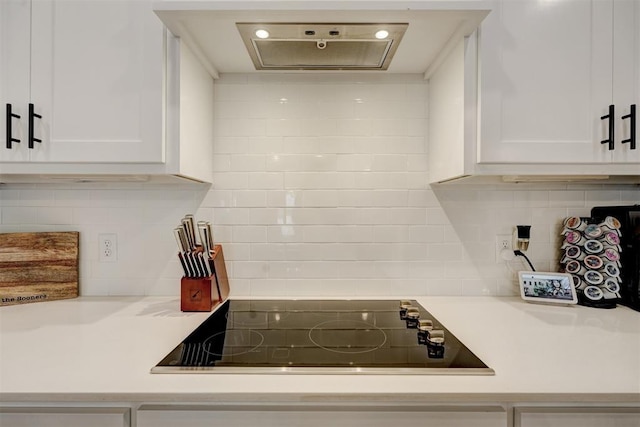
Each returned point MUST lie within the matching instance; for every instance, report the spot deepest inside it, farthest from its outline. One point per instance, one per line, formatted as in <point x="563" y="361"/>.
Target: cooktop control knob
<point x="424" y="328"/>
<point x="435" y="344"/>
<point x="404" y="306"/>
<point x="413" y="316"/>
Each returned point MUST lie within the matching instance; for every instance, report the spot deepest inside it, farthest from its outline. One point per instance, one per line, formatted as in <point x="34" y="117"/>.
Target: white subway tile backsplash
<point x="285" y="233"/>
<point x="319" y="180"/>
<point x="249" y="198"/>
<point x="304" y="269"/>
<point x="301" y="162"/>
<point x="329" y="109"/>
<point x="320" y="216"/>
<point x="219" y="199"/>
<point x="340" y="234"/>
<point x="322" y="198"/>
<point x="436" y="216"/>
<point x="320" y="189"/>
<point x="231" y="180"/>
<point x="384" y="180"/>
<point x="84" y="216"/>
<point x="72" y="197"/>
<point x="603" y="198"/>
<point x="227" y="145"/>
<point x="248" y="163"/>
<point x="548" y="216"/>
<point x="245" y="127"/>
<point x="249" y="234"/>
<point x="567" y="198"/>
<point x="389" y="234"/>
<point x="285" y="198"/>
<point x="318" y="144"/>
<point x="19" y="215"/>
<point x="389" y="127"/>
<point x="444" y="252"/>
<point x="270" y="216"/>
<point x="54" y="216"/>
<point x="630" y="197"/>
<point x="449" y="287"/>
<point x="422" y="198"/>
<point x="531" y="199"/>
<point x="251" y="269"/>
<point x="390" y="163"/>
<point x="10" y="198"/>
<point x="266" y="180"/>
<point x="222" y="163"/>
<point x="232" y="216"/>
<point x="354" y="162"/>
<point x="426" y="234"/>
<point x="283" y="127"/>
<point x="381" y="198"/>
<point x="236" y="251"/>
<point x="318" y="127"/>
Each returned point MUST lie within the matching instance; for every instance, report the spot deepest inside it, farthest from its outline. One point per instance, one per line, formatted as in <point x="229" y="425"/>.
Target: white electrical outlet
<point x="108" y="247"/>
<point x="504" y="247"/>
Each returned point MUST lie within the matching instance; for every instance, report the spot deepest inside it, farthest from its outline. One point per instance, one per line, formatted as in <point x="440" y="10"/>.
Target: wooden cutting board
<point x="38" y="267"/>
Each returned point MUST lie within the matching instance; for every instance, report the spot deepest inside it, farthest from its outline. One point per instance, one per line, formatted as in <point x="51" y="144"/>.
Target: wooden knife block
<point x="205" y="293"/>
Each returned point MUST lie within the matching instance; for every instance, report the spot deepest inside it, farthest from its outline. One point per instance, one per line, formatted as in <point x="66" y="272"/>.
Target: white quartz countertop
<point x="90" y="349"/>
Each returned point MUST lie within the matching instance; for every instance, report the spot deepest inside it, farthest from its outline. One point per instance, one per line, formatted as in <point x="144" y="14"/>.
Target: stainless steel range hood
<point x="321" y="46"/>
<point x="420" y="34"/>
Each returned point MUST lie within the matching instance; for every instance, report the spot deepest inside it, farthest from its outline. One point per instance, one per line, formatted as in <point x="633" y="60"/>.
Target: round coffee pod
<point x="594" y="293"/>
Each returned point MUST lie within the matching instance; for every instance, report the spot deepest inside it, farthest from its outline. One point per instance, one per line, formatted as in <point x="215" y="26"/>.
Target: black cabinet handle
<point x="32" y="115"/>
<point x="632" y="128"/>
<point x="609" y="116"/>
<point x="10" y="116"/>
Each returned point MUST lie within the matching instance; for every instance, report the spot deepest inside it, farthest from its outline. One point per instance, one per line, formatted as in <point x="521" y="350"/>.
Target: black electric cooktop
<point x="322" y="336"/>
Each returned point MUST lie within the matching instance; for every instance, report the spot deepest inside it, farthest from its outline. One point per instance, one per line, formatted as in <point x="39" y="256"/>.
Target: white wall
<point x="320" y="189"/>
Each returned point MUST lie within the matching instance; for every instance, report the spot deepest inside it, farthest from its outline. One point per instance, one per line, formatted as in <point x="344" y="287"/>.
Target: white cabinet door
<point x="545" y="82"/>
<point x="96" y="80"/>
<point x="14" y="77"/>
<point x="626" y="88"/>
<point x="577" y="417"/>
<point x="65" y="417"/>
<point x="294" y="417"/>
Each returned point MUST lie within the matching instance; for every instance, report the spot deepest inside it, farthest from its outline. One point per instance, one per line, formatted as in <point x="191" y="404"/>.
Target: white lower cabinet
<point x="577" y="417"/>
<point x="64" y="417"/>
<point x="320" y="416"/>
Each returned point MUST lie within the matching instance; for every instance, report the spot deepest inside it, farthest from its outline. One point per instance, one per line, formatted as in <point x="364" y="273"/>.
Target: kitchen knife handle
<point x="190" y="264"/>
<point x="632" y="128"/>
<point x="210" y="236"/>
<point x="32" y="116"/>
<point x="192" y="230"/>
<point x="204" y="238"/>
<point x="184" y="266"/>
<point x="10" y="116"/>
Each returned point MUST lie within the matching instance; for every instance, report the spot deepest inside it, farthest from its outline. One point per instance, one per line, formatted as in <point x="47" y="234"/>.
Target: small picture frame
<point x="547" y="287"/>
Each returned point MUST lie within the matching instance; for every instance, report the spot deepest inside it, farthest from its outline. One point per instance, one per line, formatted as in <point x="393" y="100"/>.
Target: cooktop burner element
<point x="322" y="336"/>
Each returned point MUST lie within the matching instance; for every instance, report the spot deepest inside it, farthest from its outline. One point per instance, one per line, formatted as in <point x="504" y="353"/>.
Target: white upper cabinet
<point x="105" y="79"/>
<point x="96" y="80"/>
<point x="93" y="72"/>
<point x="548" y="73"/>
<point x="626" y="87"/>
<point x="14" y="78"/>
